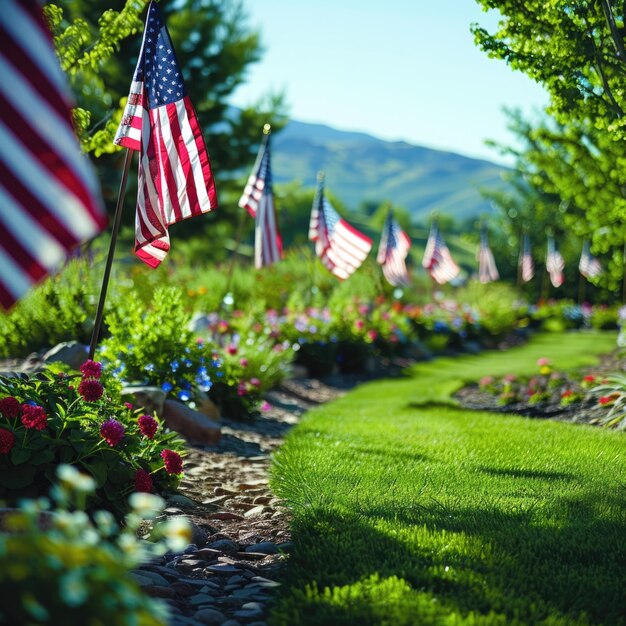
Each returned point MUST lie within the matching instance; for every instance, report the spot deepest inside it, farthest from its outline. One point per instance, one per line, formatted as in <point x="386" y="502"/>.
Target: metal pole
<point x="107" y="270"/>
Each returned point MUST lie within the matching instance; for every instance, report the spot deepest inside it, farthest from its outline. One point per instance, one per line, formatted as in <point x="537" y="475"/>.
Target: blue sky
<point x="397" y="69"/>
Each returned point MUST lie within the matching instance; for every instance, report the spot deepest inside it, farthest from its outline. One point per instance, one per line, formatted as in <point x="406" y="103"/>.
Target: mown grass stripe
<point x="410" y="510"/>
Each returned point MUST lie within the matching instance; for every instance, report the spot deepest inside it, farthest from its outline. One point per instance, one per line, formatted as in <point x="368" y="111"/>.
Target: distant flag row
<point x="49" y="198"/>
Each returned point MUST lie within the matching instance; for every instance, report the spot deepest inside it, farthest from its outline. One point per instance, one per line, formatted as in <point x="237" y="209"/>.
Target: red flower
<point x="7" y="441"/>
<point x="129" y="406"/>
<point x="10" y="407"/>
<point x="112" y="431"/>
<point x="91" y="390"/>
<point x="242" y="389"/>
<point x="34" y="416"/>
<point x="173" y="462"/>
<point x="143" y="481"/>
<point x="91" y="369"/>
<point x="231" y="349"/>
<point x="567" y="393"/>
<point x="589" y="378"/>
<point x="147" y="425"/>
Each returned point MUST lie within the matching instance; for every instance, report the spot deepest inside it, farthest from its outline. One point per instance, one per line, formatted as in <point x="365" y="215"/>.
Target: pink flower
<point x="255" y="382"/>
<point x="112" y="432"/>
<point x="10" y="407"/>
<point x="266" y="406"/>
<point x="231" y="348"/>
<point x="173" y="462"/>
<point x="143" y="481"/>
<point x="372" y="334"/>
<point x="359" y="324"/>
<point x="7" y="441"/>
<point x="543" y="361"/>
<point x="129" y="406"/>
<point x="242" y="389"/>
<point x="34" y="416"/>
<point x="91" y="390"/>
<point x="243" y="362"/>
<point x="91" y="369"/>
<point x="147" y="425"/>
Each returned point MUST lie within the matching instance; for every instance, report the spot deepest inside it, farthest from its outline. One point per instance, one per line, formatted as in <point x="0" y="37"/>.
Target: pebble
<point x="265" y="547"/>
<point x="210" y="617"/>
<point x="224" y="545"/>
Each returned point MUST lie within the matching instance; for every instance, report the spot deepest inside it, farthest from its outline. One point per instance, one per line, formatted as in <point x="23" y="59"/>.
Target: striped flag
<point x="437" y="258"/>
<point x="175" y="180"/>
<point x="554" y="264"/>
<point x="258" y="200"/>
<point x="49" y="196"/>
<point x="487" y="270"/>
<point x="589" y="266"/>
<point x="526" y="264"/>
<point x="392" y="251"/>
<point x="340" y="246"/>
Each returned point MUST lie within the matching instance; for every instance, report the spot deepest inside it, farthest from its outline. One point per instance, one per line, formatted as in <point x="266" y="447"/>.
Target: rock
<point x="257" y="510"/>
<point x="245" y="614"/>
<point x="157" y="591"/>
<point x="150" y="399"/>
<point x="202" y="598"/>
<point x="71" y="353"/>
<point x="196" y="427"/>
<point x="210" y="617"/>
<point x="264" y="547"/>
<point x="224" y="516"/>
<point x="152" y="577"/>
<point x="198" y="535"/>
<point x="231" y="622"/>
<point x="183" y="589"/>
<point x="206" y="406"/>
<point x="223" y="569"/>
<point x="180" y="501"/>
<point x="224" y="545"/>
<point x="142" y="581"/>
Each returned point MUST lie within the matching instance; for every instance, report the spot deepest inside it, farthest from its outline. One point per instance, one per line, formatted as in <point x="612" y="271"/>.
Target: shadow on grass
<point x="524" y="565"/>
<point x="527" y="473"/>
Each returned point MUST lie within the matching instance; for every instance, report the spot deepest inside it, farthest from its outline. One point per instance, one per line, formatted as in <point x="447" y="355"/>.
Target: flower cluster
<point x="90" y="387"/>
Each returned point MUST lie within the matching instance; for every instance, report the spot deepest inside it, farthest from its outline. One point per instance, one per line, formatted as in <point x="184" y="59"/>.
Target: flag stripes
<point x="49" y="196"/>
<point x="487" y="270"/>
<point x="554" y="264"/>
<point x="175" y="181"/>
<point x="341" y="247"/>
<point x="526" y="263"/>
<point x="588" y="266"/>
<point x="258" y="200"/>
<point x="392" y="252"/>
<point x="437" y="258"/>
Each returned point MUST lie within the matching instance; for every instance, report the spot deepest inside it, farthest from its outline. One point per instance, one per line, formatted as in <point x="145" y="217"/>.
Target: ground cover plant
<point x="409" y="509"/>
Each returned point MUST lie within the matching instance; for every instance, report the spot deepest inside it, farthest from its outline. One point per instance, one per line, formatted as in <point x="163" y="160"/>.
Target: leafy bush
<point x="51" y="419"/>
<point x="60" y="567"/>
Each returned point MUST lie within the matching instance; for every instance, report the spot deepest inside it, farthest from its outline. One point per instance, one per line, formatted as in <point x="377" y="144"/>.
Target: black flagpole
<point x="107" y="270"/>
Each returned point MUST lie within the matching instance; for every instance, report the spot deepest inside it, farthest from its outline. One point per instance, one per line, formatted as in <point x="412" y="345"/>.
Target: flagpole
<point x="107" y="270"/>
<point x="267" y="129"/>
<point x="581" y="288"/>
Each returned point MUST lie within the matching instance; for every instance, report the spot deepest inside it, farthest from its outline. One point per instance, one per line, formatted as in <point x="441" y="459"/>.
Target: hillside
<point x="360" y="168"/>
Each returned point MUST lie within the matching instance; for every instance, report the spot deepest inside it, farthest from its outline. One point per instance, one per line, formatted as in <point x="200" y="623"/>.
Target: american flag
<point x="437" y="258"/>
<point x="554" y="264"/>
<point x="393" y="249"/>
<point x="49" y="195"/>
<point x="487" y="270"/>
<point x="589" y="266"/>
<point x="340" y="246"/>
<point x="258" y="200"/>
<point x="526" y="265"/>
<point x="175" y="179"/>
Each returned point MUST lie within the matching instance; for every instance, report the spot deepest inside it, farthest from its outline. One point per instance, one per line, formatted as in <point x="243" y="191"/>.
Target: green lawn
<point x="410" y="510"/>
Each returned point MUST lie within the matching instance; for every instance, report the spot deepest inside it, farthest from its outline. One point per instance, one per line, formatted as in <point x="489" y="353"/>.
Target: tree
<point x="575" y="48"/>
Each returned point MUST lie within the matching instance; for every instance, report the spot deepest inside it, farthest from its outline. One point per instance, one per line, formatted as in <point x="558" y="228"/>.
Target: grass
<point x="410" y="510"/>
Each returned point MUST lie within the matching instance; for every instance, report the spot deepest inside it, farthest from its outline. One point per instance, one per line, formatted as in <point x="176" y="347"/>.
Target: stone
<point x="223" y="569"/>
<point x="257" y="510"/>
<point x="150" y="399"/>
<point x="252" y="606"/>
<point x="210" y="617"/>
<point x="199" y="535"/>
<point x="71" y="353"/>
<point x="264" y="547"/>
<point x="202" y="598"/>
<point x="196" y="427"/>
<point x="183" y="589"/>
<point x="157" y="591"/>
<point x="180" y="501"/>
<point x="231" y="622"/>
<point x="152" y="577"/>
<point x="205" y="405"/>
<point x="245" y="614"/>
<point x="224" y="545"/>
<point x="224" y="516"/>
<point x="142" y="581"/>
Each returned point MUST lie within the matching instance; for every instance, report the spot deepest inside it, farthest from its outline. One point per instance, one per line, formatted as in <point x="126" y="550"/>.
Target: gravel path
<point x="241" y="536"/>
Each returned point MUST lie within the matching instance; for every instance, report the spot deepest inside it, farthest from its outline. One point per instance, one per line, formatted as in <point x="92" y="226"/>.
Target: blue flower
<point x="149" y="367"/>
<point x="202" y="371"/>
<point x="174" y="365"/>
<point x="183" y="396"/>
<point x="167" y="387"/>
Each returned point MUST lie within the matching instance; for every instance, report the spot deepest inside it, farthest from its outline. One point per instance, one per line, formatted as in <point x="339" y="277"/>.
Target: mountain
<point x="360" y="168"/>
